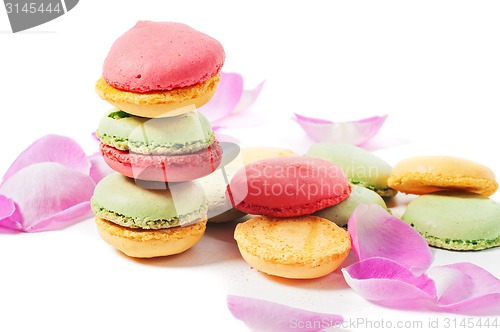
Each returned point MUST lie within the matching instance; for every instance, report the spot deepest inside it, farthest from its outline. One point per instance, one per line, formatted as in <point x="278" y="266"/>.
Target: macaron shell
<point x="219" y="208"/>
<point x="340" y="213"/>
<point x="186" y="133"/>
<point x="181" y="203"/>
<point x="425" y="174"/>
<point x="288" y="186"/>
<point x="360" y="166"/>
<point x="456" y="220"/>
<point x="159" y="104"/>
<point x="150" y="243"/>
<point x="156" y="56"/>
<point x="298" y="248"/>
<point x="164" y="168"/>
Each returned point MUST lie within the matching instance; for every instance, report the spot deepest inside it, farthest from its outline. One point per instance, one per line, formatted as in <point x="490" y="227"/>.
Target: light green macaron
<point x="360" y="166"/>
<point x="121" y="200"/>
<point x="456" y="220"/>
<point x="183" y="134"/>
<point x="340" y="213"/>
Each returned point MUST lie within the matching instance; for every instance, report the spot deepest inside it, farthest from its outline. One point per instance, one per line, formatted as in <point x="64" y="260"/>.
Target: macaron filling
<point x="384" y="192"/>
<point x="148" y="223"/>
<point x="183" y="134"/>
<point x="456" y="244"/>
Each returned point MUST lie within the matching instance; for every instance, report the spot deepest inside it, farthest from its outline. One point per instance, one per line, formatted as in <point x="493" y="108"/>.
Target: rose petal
<point x="466" y="288"/>
<point x="248" y="98"/>
<point x="7" y="207"/>
<point x="353" y="132"/>
<point x="390" y="284"/>
<point x="7" y="211"/>
<point x="261" y="315"/>
<point x="48" y="190"/>
<point x="69" y="216"/>
<point x="376" y="233"/>
<point x="98" y="169"/>
<point x="51" y="148"/>
<point x="307" y="119"/>
<point x="225" y="99"/>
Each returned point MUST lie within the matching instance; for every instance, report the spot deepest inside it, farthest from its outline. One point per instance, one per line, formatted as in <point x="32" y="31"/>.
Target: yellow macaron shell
<point x="141" y="243"/>
<point x="159" y="104"/>
<point x="298" y="248"/>
<point x="425" y="174"/>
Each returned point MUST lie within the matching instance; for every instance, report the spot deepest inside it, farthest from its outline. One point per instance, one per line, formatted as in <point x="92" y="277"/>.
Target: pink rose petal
<point x="353" y="132"/>
<point x="261" y="315"/>
<point x="51" y="148"/>
<point x="98" y="169"/>
<point x="64" y="218"/>
<point x="248" y="98"/>
<point x="466" y="288"/>
<point x="48" y="196"/>
<point x="388" y="283"/>
<point x="376" y="233"/>
<point x="7" y="207"/>
<point x="229" y="106"/>
<point x="225" y="99"/>
<point x="7" y="215"/>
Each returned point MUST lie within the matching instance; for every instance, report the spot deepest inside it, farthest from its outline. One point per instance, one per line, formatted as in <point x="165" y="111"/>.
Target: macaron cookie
<point x="173" y="149"/>
<point x="426" y="174"/>
<point x="255" y="153"/>
<point x="340" y="213"/>
<point x="219" y="208"/>
<point x="149" y="222"/>
<point x="303" y="247"/>
<point x="456" y="220"/>
<point x="161" y="69"/>
<point x="288" y="186"/>
<point x="361" y="167"/>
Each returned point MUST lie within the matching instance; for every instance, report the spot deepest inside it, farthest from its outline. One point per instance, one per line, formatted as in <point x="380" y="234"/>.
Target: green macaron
<point x="340" y="213"/>
<point x="121" y="200"/>
<point x="456" y="220"/>
<point x="360" y="166"/>
<point x="183" y="134"/>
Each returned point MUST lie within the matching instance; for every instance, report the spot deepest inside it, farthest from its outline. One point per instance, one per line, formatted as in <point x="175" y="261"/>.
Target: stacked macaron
<point x="454" y="210"/>
<point x="285" y="240"/>
<point x="156" y="75"/>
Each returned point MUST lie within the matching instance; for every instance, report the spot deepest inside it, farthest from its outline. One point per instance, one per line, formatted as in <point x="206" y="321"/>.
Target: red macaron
<point x="164" y="168"/>
<point x="288" y="186"/>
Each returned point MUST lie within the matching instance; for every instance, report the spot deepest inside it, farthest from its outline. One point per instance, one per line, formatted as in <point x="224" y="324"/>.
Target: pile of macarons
<point x="302" y="205"/>
<point x="453" y="209"/>
<point x="284" y="239"/>
<point x="295" y="233"/>
<point x="156" y="76"/>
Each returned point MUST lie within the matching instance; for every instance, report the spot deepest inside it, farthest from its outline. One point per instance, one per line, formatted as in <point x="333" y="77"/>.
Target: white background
<point x="433" y="66"/>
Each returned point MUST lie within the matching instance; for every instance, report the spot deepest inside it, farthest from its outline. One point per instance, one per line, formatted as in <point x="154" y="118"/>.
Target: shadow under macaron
<point x="216" y="246"/>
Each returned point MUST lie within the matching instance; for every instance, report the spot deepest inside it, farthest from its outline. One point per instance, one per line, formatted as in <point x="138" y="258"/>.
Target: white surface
<point x="431" y="65"/>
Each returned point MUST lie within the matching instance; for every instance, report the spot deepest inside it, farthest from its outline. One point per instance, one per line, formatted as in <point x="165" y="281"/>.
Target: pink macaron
<point x="288" y="186"/>
<point x="157" y="56"/>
